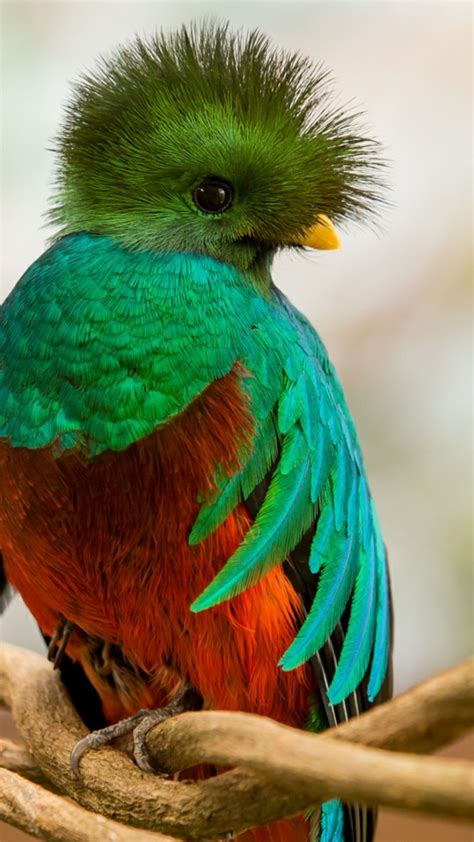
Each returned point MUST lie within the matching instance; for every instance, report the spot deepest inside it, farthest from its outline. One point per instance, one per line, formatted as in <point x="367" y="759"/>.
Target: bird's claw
<point x="141" y="754"/>
<point x="139" y="725"/>
<point x="104" y="737"/>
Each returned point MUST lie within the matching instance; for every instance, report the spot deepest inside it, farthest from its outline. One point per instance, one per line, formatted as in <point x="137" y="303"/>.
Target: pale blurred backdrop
<point x="394" y="308"/>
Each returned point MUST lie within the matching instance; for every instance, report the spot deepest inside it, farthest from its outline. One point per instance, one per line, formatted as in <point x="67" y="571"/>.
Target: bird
<point x="184" y="506"/>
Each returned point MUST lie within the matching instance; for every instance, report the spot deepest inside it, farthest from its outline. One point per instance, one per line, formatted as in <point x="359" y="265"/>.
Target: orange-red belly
<point x="104" y="542"/>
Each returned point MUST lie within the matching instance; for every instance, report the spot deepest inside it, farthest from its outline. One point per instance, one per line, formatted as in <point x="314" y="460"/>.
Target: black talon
<point x="103" y="737"/>
<point x="140" y="733"/>
<point x="189" y="699"/>
<point x="61" y="636"/>
<point x="139" y="725"/>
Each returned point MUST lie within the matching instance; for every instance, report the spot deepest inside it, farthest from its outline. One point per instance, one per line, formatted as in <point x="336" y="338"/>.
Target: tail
<point x="337" y="822"/>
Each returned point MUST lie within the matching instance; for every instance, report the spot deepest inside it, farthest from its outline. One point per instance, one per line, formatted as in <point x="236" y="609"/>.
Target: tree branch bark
<point x="16" y="759"/>
<point x="422" y="720"/>
<point x="286" y="770"/>
<point x="45" y="815"/>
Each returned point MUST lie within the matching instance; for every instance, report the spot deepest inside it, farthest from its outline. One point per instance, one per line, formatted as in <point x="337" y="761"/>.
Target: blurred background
<point x="393" y="307"/>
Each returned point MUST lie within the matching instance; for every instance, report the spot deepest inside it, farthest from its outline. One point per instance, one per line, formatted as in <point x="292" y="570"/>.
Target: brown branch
<point x="423" y="719"/>
<point x="15" y="758"/>
<point x="287" y="770"/>
<point x="321" y="765"/>
<point x="40" y="813"/>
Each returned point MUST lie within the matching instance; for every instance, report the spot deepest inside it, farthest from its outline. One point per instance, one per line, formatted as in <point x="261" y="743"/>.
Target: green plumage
<point x="159" y="115"/>
<point x="96" y="349"/>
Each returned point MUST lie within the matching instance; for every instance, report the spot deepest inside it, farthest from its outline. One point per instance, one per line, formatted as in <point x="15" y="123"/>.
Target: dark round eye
<point x="213" y="196"/>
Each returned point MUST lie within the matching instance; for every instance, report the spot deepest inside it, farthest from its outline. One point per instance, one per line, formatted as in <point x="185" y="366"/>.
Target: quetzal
<point x="183" y="502"/>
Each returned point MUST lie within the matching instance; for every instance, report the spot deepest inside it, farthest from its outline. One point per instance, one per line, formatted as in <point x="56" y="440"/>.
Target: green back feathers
<point x="103" y="345"/>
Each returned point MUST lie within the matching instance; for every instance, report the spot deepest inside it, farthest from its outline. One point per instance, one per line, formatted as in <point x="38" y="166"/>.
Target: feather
<point x="320" y="465"/>
<point x="212" y="515"/>
<point x="290" y="408"/>
<point x="382" y="632"/>
<point x="285" y="515"/>
<point x="358" y="643"/>
<point x="295" y="451"/>
<point x="232" y="490"/>
<point x="309" y="415"/>
<point x="324" y="533"/>
<point x="337" y="579"/>
<point x="332" y="822"/>
<point x="262" y="457"/>
<point x="340" y="480"/>
<point x="365" y="518"/>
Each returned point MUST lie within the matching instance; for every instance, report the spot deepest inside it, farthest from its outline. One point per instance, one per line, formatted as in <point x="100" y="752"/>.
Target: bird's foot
<point x="138" y="725"/>
<point x="59" y="641"/>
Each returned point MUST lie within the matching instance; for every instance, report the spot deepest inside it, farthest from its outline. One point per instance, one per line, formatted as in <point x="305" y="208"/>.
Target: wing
<point x="99" y="346"/>
<point x="306" y="490"/>
<point x="318" y="483"/>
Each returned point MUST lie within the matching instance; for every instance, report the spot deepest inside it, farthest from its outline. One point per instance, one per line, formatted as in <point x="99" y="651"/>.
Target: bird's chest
<point x="104" y="541"/>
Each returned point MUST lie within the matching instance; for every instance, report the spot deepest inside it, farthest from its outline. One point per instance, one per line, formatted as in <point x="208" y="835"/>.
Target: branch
<point x="15" y="758"/>
<point x="287" y="770"/>
<point x="40" y="813"/>
<point x="423" y="719"/>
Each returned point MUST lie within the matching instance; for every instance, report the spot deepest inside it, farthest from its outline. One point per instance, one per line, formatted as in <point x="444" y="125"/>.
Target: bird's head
<point x="212" y="143"/>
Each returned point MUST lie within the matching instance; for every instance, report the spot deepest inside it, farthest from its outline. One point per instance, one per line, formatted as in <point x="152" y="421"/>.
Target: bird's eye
<point x="213" y="196"/>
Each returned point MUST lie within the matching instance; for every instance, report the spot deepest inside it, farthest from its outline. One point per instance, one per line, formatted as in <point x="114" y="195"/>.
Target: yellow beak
<point x="321" y="235"/>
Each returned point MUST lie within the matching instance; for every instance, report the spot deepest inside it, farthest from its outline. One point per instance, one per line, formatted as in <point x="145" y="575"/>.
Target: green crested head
<point x="210" y="142"/>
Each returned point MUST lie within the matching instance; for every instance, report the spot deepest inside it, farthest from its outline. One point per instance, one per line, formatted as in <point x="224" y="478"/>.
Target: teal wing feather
<point x="383" y="616"/>
<point x="319" y="478"/>
<point x="283" y="518"/>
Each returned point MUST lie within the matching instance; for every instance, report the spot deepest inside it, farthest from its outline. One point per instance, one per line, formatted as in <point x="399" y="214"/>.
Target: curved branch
<point x="289" y="770"/>
<point x="40" y="813"/>
<point x="316" y="764"/>
<point x="425" y="718"/>
<point x="421" y="720"/>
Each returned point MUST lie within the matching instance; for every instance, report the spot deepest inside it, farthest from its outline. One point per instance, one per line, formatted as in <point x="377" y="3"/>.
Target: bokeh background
<point x="394" y="307"/>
